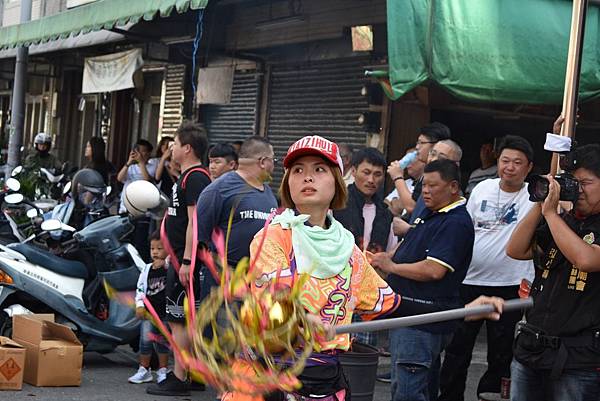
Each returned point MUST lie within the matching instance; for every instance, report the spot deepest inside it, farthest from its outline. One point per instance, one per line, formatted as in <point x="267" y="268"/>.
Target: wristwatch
<point x="397" y="178"/>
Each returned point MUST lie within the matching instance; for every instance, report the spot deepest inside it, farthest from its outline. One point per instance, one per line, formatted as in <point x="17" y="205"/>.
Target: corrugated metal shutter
<point x="172" y="113"/>
<point x="318" y="99"/>
<point x="236" y="120"/>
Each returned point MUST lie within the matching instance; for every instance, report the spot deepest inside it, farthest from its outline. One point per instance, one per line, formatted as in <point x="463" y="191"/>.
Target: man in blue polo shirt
<point x="429" y="266"/>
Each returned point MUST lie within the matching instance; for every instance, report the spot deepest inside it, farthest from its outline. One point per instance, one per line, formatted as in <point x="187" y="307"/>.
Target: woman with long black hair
<point x="95" y="154"/>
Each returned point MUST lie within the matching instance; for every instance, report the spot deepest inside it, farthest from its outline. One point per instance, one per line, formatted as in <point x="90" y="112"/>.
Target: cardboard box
<point x="12" y="363"/>
<point x="54" y="354"/>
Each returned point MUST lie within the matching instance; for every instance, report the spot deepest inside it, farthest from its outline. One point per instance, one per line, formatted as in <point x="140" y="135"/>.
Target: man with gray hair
<point x="443" y="149"/>
<point x="429" y="135"/>
<point x="244" y="191"/>
<point x="446" y="149"/>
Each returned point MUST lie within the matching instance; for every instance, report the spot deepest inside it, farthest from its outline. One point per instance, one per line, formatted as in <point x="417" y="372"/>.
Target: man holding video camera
<point x="557" y="350"/>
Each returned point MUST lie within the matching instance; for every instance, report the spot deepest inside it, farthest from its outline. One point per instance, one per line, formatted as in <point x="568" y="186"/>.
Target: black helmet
<point x="87" y="181"/>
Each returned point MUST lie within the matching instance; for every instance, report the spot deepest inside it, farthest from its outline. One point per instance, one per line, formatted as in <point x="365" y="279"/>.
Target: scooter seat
<point x="65" y="267"/>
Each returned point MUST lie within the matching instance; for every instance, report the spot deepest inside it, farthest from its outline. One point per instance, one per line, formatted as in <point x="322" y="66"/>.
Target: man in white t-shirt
<point x="496" y="206"/>
<point x="414" y="172"/>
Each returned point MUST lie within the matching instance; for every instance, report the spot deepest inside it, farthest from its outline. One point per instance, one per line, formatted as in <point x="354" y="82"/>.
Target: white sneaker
<point x="161" y="374"/>
<point x="143" y="375"/>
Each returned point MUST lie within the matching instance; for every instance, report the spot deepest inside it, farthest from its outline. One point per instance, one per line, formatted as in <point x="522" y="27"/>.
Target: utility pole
<point x="17" y="117"/>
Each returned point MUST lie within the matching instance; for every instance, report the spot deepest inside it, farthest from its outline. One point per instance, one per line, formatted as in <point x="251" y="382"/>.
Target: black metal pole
<point x="17" y="117"/>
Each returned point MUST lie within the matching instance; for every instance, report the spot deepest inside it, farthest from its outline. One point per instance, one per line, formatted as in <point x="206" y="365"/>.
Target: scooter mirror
<point x="31" y="213"/>
<point x="158" y="212"/>
<point x="13" y="199"/>
<point x="108" y="190"/>
<point x="45" y="204"/>
<point x="67" y="227"/>
<point x="51" y="225"/>
<point x="13" y="184"/>
<point x="16" y="171"/>
<point x="54" y="224"/>
<point x="67" y="188"/>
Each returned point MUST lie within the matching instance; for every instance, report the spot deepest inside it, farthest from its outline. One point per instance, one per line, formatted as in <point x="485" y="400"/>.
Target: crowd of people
<point x="429" y="245"/>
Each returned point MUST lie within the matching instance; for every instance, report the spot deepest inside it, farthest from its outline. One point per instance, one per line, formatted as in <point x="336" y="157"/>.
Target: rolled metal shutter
<point x="172" y="107"/>
<point x="322" y="98"/>
<point x="236" y="120"/>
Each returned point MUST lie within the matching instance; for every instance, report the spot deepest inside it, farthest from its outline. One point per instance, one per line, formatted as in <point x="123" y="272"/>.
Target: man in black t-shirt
<point x="190" y="144"/>
<point x="557" y="352"/>
<point x="246" y="192"/>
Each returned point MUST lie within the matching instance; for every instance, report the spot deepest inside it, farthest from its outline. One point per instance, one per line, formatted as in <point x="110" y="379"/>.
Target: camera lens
<point x="569" y="187"/>
<point x="538" y="188"/>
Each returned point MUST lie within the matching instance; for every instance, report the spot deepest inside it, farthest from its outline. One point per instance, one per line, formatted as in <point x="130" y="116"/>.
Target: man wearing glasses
<point x="444" y="149"/>
<point x="245" y="192"/>
<point x="429" y="135"/>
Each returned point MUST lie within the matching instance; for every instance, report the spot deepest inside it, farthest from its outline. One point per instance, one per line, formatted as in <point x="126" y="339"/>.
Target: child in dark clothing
<point x="151" y="285"/>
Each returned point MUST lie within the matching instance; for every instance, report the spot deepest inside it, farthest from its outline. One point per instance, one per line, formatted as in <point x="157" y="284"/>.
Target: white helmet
<point x="142" y="197"/>
<point x="43" y="137"/>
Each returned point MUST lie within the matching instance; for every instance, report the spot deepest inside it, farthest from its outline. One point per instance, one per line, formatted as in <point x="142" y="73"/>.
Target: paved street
<point x="105" y="378"/>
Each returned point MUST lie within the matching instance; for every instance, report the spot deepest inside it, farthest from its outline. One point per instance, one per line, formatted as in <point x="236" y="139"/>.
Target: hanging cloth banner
<point x="111" y="72"/>
<point x="511" y="51"/>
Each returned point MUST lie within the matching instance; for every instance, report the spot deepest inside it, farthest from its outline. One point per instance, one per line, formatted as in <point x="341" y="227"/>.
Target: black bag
<point x="318" y="381"/>
<point x="534" y="348"/>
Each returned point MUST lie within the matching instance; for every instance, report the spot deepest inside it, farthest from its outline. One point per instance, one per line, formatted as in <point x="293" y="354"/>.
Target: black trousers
<point x="500" y="335"/>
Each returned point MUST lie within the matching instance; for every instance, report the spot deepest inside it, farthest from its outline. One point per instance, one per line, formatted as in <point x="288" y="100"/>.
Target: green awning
<point x="489" y="50"/>
<point x="102" y="14"/>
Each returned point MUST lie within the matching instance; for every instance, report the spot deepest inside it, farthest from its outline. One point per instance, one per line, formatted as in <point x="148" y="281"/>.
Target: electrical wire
<point x="196" y="46"/>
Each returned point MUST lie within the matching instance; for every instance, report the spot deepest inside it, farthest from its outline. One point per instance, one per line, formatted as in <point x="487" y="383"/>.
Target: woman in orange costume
<point x="305" y="238"/>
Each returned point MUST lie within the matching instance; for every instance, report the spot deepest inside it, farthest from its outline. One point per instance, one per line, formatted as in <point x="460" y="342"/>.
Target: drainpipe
<point x="17" y="118"/>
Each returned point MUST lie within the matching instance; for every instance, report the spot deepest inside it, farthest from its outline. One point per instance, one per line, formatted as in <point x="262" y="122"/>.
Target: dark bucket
<point x="360" y="368"/>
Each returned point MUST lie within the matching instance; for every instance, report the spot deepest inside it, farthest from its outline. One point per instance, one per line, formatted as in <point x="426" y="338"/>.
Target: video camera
<point x="539" y="185"/>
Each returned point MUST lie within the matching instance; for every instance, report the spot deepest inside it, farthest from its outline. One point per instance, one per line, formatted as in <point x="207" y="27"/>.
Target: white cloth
<point x="557" y="143"/>
<point x="134" y="173"/>
<point x="111" y="72"/>
<point x="369" y="212"/>
<point x="142" y="285"/>
<point x="495" y="215"/>
<point x="410" y="184"/>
